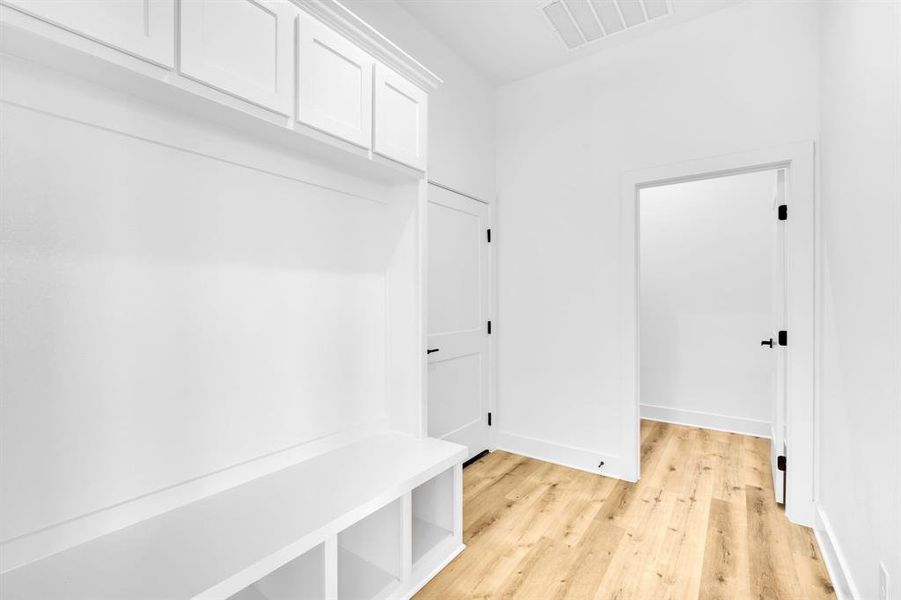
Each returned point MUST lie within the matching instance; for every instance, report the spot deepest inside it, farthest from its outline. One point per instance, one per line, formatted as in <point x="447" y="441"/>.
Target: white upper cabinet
<point x="142" y="28"/>
<point x="334" y="83"/>
<point x="242" y="47"/>
<point x="401" y="119"/>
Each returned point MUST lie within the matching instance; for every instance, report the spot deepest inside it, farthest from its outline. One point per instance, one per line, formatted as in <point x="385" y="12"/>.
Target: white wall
<point x="706" y="254"/>
<point x="461" y="111"/>
<point x="741" y="78"/>
<point x="177" y="299"/>
<point x="860" y="390"/>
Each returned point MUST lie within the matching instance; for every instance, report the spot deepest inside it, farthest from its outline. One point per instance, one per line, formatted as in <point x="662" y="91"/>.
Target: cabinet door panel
<point x="242" y="47"/>
<point x="401" y="118"/>
<point x="334" y="83"/>
<point x="143" y="28"/>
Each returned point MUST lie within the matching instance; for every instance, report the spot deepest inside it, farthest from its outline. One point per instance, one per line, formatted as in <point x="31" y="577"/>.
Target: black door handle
<point x="430" y="350"/>
<point x="768" y="342"/>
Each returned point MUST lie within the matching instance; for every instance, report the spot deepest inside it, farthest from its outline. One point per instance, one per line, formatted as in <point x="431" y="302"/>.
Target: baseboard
<point x="564" y="455"/>
<point x="705" y="420"/>
<point x="834" y="558"/>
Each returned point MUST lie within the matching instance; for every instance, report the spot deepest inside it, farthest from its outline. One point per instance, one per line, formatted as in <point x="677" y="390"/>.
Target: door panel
<point x="143" y="28"/>
<point x="458" y="316"/>
<point x="780" y="354"/>
<point x="243" y="47"/>
<point x="334" y="83"/>
<point x="400" y="118"/>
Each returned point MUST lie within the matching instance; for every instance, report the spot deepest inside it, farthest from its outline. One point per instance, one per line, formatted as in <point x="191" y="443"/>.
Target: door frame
<point x="801" y="235"/>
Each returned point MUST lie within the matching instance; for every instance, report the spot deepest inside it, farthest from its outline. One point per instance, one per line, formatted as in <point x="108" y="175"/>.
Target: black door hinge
<point x="489" y="327"/>
<point x="783" y="212"/>
<point x="489" y="419"/>
<point x="780" y="463"/>
<point x="783" y="338"/>
<point x="488" y="232"/>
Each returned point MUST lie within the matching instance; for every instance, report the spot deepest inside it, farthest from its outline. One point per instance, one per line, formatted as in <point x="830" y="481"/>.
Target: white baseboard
<point x="705" y="420"/>
<point x="834" y="558"/>
<point x="562" y="454"/>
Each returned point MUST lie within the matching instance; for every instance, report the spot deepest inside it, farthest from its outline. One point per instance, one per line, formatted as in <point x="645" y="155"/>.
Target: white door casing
<point x="142" y="28"/>
<point x="801" y="301"/>
<point x="241" y="47"/>
<point x="458" y="315"/>
<point x="334" y="81"/>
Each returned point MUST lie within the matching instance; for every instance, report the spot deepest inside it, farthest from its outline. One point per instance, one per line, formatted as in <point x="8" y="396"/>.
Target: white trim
<point x="798" y="158"/>
<point x="836" y="564"/>
<point x="706" y="420"/>
<point x="573" y="457"/>
<point x="342" y="20"/>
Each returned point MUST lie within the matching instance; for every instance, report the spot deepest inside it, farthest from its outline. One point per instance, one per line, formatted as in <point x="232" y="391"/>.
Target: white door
<point x="780" y="353"/>
<point x="458" y="308"/>
<point x="143" y="28"/>
<point x="242" y="47"/>
<point x="334" y="82"/>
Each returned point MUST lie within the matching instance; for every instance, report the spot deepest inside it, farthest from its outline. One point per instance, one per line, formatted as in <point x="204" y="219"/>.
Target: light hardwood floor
<point x="701" y="523"/>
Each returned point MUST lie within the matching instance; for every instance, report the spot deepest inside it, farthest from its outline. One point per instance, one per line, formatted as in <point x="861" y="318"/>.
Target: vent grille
<point x="580" y="22"/>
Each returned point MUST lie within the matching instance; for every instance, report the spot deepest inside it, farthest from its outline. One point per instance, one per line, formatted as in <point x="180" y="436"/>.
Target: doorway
<point x="795" y="161"/>
<point x="712" y="304"/>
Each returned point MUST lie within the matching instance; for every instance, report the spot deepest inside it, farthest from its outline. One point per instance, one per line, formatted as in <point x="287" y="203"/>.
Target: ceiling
<point x="511" y="39"/>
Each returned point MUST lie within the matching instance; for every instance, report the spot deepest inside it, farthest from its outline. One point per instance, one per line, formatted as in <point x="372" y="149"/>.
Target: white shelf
<point x="359" y="579"/>
<point x="426" y="537"/>
<point x="220" y="545"/>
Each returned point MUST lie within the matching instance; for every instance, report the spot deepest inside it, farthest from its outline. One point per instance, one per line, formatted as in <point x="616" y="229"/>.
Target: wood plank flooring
<point x="701" y="523"/>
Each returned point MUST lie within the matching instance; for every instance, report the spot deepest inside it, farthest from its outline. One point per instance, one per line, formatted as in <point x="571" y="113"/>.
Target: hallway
<point x="702" y="523"/>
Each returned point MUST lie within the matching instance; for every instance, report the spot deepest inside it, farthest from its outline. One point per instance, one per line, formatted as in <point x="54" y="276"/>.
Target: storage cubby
<point x="369" y="555"/>
<point x="433" y="514"/>
<point x="301" y="579"/>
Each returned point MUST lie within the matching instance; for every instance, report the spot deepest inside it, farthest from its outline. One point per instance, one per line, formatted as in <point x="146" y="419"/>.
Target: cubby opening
<point x="303" y="577"/>
<point x="433" y="514"/>
<point x="369" y="555"/>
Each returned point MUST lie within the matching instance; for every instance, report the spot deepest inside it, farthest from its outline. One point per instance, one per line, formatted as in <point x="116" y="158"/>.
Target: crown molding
<point x="345" y="22"/>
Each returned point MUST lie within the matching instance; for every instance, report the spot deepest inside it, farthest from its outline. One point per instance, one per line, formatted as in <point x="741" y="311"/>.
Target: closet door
<point x="401" y="119"/>
<point x="143" y="28"/>
<point x="334" y="83"/>
<point x="242" y="47"/>
<point x="458" y="314"/>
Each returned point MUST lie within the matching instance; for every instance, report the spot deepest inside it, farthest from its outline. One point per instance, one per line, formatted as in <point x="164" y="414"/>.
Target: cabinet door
<point x="143" y="28"/>
<point x="334" y="83"/>
<point x="401" y="118"/>
<point x="242" y="47"/>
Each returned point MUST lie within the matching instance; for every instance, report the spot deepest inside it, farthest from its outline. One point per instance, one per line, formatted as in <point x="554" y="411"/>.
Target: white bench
<point x="375" y="519"/>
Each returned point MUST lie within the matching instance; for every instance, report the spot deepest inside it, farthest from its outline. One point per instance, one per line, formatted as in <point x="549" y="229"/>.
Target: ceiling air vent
<point x="579" y="22"/>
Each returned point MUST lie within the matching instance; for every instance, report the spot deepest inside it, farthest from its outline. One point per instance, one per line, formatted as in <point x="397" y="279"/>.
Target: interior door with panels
<point x="458" y="314"/>
<point x="401" y="119"/>
<point x="142" y="28"/>
<point x="334" y="83"/>
<point x="242" y="47"/>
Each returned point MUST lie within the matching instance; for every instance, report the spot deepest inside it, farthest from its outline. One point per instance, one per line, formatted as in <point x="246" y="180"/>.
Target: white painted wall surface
<point x="461" y="110"/>
<point x="859" y="414"/>
<point x="706" y="254"/>
<point x="741" y="78"/>
<point x="177" y="299"/>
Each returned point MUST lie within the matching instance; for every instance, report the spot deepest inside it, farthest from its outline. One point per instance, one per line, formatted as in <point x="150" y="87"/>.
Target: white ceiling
<point x="510" y="39"/>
